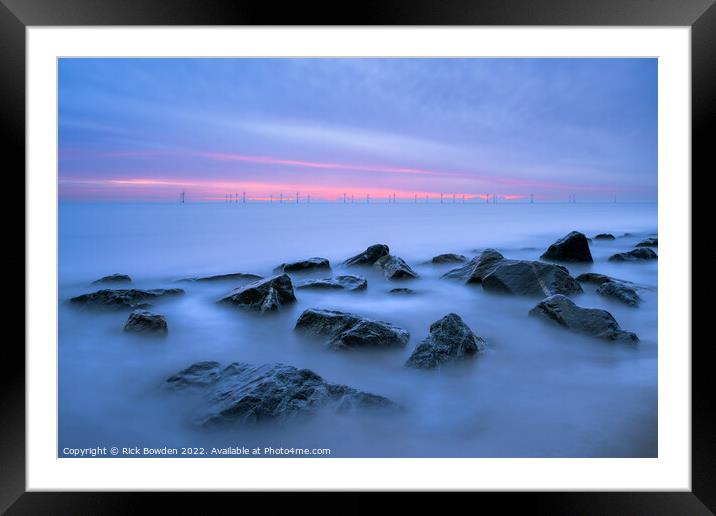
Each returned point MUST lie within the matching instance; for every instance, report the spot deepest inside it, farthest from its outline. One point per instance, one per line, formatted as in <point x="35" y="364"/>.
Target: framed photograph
<point x="416" y="250"/>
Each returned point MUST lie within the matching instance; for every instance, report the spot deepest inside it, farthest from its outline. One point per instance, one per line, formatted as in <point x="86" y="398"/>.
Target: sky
<point x="148" y="129"/>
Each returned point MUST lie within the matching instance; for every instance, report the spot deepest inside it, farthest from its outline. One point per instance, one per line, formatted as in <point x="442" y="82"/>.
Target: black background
<point x="15" y="15"/>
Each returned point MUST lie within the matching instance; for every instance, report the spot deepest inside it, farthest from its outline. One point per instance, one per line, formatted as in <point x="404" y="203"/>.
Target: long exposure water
<point x="538" y="390"/>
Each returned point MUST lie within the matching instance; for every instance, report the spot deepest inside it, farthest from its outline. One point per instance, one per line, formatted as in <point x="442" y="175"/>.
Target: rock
<point x="264" y="295"/>
<point x="311" y="264"/>
<point x="450" y="339"/>
<point x="143" y="321"/>
<point x="246" y="394"/>
<point x="114" y="278"/>
<point x="649" y="242"/>
<point x="346" y="282"/>
<point x="589" y="321"/>
<point x="108" y="299"/>
<point x="593" y="277"/>
<point x="641" y="253"/>
<point x="395" y="268"/>
<point x="528" y="278"/>
<point x="449" y="258"/>
<point x="369" y="256"/>
<point x="604" y="236"/>
<point x="349" y="331"/>
<point x="227" y="277"/>
<point x="572" y="248"/>
<point x="477" y="268"/>
<point x="620" y="291"/>
<point x="401" y="291"/>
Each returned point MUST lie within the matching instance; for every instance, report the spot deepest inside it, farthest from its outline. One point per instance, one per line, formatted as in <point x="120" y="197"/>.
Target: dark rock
<point x="528" y="278"/>
<point x="477" y="268"/>
<point x="604" y="236"/>
<point x="369" y="256"/>
<point x="114" y="278"/>
<point x="246" y="394"/>
<point x="143" y="321"/>
<point x="449" y="258"/>
<point x="620" y="291"/>
<point x="349" y="331"/>
<point x="227" y="277"/>
<point x="572" y="248"/>
<point x="122" y="298"/>
<point x="395" y="268"/>
<point x="589" y="321"/>
<point x="346" y="282"/>
<point x="264" y="295"/>
<point x="401" y="291"/>
<point x="641" y="253"/>
<point x="594" y="278"/>
<point x="311" y="264"/>
<point x="649" y="242"/>
<point x="450" y="339"/>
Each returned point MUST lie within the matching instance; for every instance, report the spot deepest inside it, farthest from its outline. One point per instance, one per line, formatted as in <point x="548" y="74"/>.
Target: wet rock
<point x="143" y="321"/>
<point x="264" y="295"/>
<point x="348" y="331"/>
<point x="594" y="278"/>
<point x="226" y="277"/>
<point x="113" y="278"/>
<point x="369" y="256"/>
<point x="109" y="299"/>
<point x="639" y="254"/>
<point x="604" y="236"/>
<point x="309" y="265"/>
<point x="450" y="339"/>
<point x="589" y="321"/>
<point x="620" y="291"/>
<point x="242" y="394"/>
<point x="572" y="248"/>
<point x="449" y="258"/>
<point x="649" y="242"/>
<point x="346" y="282"/>
<point x="395" y="268"/>
<point x="477" y="268"/>
<point x="401" y="291"/>
<point x="528" y="278"/>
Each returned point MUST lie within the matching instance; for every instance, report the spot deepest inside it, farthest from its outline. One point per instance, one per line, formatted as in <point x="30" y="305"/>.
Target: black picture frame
<point x="17" y="15"/>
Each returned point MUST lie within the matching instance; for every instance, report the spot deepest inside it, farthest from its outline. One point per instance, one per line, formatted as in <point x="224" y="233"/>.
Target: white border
<point x="670" y="471"/>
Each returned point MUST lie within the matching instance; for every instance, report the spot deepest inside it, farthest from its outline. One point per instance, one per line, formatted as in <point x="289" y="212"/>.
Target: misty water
<point x="537" y="391"/>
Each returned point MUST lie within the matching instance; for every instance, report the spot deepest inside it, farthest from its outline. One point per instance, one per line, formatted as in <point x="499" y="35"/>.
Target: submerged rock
<point x="264" y="295"/>
<point x="395" y="268"/>
<point x="346" y="282"/>
<point x="594" y="277"/>
<point x="311" y="264"/>
<point x="589" y="321"/>
<point x="649" y="242"/>
<point x="450" y="339"/>
<point x="477" y="268"/>
<point x="348" y="331"/>
<point x="369" y="256"/>
<point x="620" y="291"/>
<point x="639" y="254"/>
<point x="113" y="278"/>
<point x="449" y="258"/>
<point x="226" y="277"/>
<point x="604" y="236"/>
<point x="246" y="394"/>
<point x="401" y="291"/>
<point x="143" y="321"/>
<point x="109" y="299"/>
<point x="571" y="248"/>
<point x="526" y="278"/>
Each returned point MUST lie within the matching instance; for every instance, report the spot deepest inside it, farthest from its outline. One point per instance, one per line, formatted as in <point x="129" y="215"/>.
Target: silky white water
<point x="538" y="390"/>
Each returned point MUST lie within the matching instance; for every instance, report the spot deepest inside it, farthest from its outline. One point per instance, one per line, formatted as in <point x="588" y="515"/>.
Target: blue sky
<point x="145" y="129"/>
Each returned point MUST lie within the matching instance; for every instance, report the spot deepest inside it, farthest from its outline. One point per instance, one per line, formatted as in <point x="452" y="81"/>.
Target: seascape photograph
<point x="357" y="257"/>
